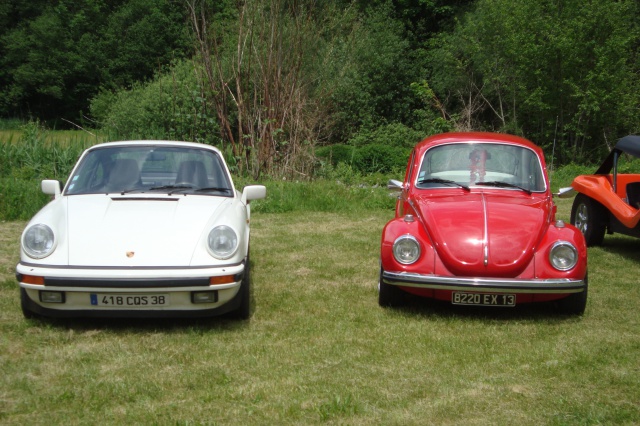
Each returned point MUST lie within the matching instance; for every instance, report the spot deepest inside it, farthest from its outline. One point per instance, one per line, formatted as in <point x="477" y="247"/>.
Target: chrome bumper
<point x="486" y="285"/>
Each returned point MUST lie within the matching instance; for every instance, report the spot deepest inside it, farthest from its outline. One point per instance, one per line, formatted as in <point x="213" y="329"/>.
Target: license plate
<point x="129" y="300"/>
<point x="483" y="299"/>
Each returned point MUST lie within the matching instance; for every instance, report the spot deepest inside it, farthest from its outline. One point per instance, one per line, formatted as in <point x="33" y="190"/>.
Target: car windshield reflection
<point x="149" y="168"/>
<point x="469" y="165"/>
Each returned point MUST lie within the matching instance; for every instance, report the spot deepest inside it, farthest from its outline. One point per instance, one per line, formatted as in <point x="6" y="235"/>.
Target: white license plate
<point x="129" y="300"/>
<point x="483" y="299"/>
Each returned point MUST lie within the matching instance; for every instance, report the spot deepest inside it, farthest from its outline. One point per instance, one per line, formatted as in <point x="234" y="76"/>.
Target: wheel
<point x="243" y="312"/>
<point x="389" y="295"/>
<point x="576" y="303"/>
<point x="28" y="314"/>
<point x="589" y="217"/>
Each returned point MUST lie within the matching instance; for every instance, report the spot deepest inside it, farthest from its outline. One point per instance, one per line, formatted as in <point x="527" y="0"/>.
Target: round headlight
<point x="38" y="241"/>
<point x="563" y="256"/>
<point x="406" y="249"/>
<point x="223" y="242"/>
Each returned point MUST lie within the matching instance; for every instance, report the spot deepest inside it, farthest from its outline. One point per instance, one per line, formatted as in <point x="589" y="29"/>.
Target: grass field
<point x="319" y="350"/>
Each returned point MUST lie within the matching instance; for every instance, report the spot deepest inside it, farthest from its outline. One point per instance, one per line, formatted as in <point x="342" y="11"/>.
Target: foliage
<point x="275" y="79"/>
<point x="32" y="157"/>
<point x="384" y="149"/>
<point x="55" y="56"/>
<point x="369" y="72"/>
<point x="20" y="198"/>
<point x="549" y="70"/>
<point x="260" y="81"/>
<point x="172" y="107"/>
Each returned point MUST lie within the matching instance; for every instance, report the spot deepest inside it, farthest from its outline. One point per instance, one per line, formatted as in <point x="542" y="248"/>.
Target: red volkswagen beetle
<point x="475" y="225"/>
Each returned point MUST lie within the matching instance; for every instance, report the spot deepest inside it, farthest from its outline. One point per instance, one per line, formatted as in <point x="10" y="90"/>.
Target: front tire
<point x="576" y="303"/>
<point x="389" y="296"/>
<point x="589" y="216"/>
<point x="26" y="312"/>
<point x="243" y="312"/>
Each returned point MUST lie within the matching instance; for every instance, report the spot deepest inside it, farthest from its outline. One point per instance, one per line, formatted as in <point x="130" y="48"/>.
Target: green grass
<point x="319" y="350"/>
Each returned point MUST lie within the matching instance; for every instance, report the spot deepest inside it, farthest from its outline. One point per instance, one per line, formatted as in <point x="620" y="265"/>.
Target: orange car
<point x="608" y="200"/>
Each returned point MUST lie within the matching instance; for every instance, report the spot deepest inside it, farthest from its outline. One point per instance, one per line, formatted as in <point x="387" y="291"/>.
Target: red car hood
<point x="485" y="234"/>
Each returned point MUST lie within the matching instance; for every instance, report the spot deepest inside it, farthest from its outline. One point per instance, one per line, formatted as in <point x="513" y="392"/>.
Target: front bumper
<point x="81" y="286"/>
<point x="484" y="285"/>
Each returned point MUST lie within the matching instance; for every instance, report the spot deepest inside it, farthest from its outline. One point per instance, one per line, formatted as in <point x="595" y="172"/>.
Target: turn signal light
<point x="31" y="279"/>
<point x="224" y="279"/>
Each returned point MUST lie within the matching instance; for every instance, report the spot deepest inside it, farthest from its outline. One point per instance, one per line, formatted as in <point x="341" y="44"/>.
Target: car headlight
<point x="563" y="256"/>
<point x="223" y="242"/>
<point x="406" y="249"/>
<point x="38" y="241"/>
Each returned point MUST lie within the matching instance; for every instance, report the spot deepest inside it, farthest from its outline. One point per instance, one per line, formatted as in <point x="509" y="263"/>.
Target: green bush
<point x="336" y="154"/>
<point x="377" y="158"/>
<point x="392" y="134"/>
<point x="171" y="107"/>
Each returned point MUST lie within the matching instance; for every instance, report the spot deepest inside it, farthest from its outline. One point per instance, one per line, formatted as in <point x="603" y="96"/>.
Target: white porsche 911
<point x="141" y="229"/>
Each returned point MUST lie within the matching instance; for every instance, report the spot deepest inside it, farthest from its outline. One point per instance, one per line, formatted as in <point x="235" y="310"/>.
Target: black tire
<point x="389" y="296"/>
<point x="589" y="216"/>
<point x="28" y="314"/>
<point x="243" y="312"/>
<point x="576" y="303"/>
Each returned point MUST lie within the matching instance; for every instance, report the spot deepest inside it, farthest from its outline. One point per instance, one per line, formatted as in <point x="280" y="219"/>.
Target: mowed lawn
<point x="319" y="350"/>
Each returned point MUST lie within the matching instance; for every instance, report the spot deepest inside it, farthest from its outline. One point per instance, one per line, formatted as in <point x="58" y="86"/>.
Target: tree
<point x="262" y="82"/>
<point x="546" y="69"/>
<point x="55" y="56"/>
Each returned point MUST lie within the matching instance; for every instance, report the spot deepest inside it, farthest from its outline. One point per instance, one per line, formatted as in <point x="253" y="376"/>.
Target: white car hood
<point x="139" y="231"/>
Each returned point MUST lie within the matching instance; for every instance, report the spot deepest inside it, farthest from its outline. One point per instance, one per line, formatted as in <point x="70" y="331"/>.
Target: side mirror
<point x="395" y="185"/>
<point x="253" y="192"/>
<point x="51" y="187"/>
<point x="567" y="192"/>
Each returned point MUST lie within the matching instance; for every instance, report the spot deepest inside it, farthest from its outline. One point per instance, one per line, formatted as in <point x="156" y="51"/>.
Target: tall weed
<point x="20" y="198"/>
<point x="32" y="156"/>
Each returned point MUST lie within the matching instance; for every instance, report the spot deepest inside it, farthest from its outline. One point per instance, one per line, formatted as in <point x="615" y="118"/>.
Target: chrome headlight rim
<point x="556" y="257"/>
<point x="222" y="242"/>
<point x="37" y="232"/>
<point x="403" y="240"/>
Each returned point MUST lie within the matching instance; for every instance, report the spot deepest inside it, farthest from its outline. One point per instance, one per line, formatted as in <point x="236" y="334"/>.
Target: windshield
<point x="140" y="168"/>
<point x="481" y="164"/>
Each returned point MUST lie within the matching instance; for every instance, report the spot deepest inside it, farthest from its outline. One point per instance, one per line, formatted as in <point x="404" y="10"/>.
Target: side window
<point x="90" y="175"/>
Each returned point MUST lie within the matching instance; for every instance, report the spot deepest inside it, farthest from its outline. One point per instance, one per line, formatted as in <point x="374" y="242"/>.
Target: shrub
<point x="171" y="106"/>
<point x="392" y="134"/>
<point x="377" y="158"/>
<point x="336" y="154"/>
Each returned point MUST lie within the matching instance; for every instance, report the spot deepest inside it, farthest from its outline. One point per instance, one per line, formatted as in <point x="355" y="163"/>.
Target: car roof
<point x="479" y="137"/>
<point x="628" y="144"/>
<point x="156" y="143"/>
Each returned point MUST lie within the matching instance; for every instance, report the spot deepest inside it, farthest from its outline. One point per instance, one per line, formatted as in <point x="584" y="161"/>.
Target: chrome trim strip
<point x="485" y="237"/>
<point x="488" y="285"/>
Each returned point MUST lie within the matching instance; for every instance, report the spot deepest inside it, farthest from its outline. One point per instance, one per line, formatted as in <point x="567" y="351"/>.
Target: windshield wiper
<point x="124" y="191"/>
<point x="213" y="188"/>
<point x="161" y="188"/>
<point x="171" y="188"/>
<point x="501" y="184"/>
<point x="444" y="181"/>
